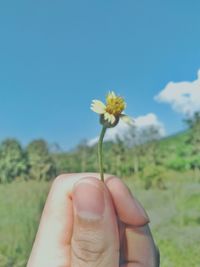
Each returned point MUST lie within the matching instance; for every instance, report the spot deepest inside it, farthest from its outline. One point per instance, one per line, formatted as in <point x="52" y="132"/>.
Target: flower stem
<point x="100" y="152"/>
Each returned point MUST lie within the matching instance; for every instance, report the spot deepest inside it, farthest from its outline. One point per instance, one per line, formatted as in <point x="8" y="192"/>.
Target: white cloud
<point x="150" y="120"/>
<point x="122" y="128"/>
<point x="184" y="97"/>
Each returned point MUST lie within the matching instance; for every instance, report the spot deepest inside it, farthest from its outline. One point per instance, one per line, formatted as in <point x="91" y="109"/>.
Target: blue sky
<point x="56" y="56"/>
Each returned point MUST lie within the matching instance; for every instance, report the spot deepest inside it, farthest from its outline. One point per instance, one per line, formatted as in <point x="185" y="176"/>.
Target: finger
<point x="138" y="248"/>
<point x="52" y="243"/>
<point x="95" y="240"/>
<point x="127" y="206"/>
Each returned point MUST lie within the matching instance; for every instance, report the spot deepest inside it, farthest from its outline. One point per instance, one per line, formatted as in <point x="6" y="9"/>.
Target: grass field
<point x="174" y="214"/>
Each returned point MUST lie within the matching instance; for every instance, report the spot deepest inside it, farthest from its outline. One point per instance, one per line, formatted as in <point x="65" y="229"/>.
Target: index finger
<point x="138" y="248"/>
<point x="128" y="208"/>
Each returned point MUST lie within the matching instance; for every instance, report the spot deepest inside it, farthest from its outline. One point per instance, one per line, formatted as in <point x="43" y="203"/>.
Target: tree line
<point x="142" y="154"/>
<point x="32" y="162"/>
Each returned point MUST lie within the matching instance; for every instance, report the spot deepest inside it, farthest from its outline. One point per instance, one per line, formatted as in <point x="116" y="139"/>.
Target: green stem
<point x="100" y="152"/>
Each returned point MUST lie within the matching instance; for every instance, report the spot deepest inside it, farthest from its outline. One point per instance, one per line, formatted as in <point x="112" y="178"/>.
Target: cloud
<point x="122" y="128"/>
<point x="150" y="120"/>
<point x="184" y="97"/>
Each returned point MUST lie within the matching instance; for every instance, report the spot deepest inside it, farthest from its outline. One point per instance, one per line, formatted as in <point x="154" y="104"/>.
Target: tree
<point x="133" y="142"/>
<point x="40" y="163"/>
<point x="143" y="143"/>
<point x="194" y="141"/>
<point x="115" y="159"/>
<point x="13" y="162"/>
<point x="151" y="135"/>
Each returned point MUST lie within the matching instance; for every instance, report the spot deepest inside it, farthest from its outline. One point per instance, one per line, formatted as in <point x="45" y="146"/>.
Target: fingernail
<point x="88" y="199"/>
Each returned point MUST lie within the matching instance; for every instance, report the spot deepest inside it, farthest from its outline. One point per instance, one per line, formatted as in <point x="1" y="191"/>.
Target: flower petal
<point x="112" y="94"/>
<point x="106" y="116"/>
<point x="112" y="119"/>
<point x="127" y="119"/>
<point x="109" y="117"/>
<point x="98" y="107"/>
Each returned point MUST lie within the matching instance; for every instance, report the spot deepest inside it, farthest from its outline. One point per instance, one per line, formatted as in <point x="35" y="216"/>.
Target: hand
<point x="86" y="223"/>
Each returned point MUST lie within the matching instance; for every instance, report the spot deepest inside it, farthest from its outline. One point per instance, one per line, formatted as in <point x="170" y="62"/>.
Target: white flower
<point x="98" y="107"/>
<point x="111" y="112"/>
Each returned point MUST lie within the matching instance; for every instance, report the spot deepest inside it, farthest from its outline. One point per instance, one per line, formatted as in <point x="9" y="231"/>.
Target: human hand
<point x="88" y="223"/>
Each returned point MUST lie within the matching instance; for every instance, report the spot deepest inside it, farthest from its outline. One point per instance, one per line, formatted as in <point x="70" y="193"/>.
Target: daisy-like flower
<point x="111" y="112"/>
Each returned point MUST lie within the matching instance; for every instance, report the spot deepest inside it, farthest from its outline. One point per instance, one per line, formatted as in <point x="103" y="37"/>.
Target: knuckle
<point x="88" y="247"/>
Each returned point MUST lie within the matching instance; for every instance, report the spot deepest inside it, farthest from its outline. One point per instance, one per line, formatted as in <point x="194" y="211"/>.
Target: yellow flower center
<point x="115" y="104"/>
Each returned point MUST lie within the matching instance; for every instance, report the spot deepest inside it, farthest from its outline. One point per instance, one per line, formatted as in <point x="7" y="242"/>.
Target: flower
<point x="111" y="112"/>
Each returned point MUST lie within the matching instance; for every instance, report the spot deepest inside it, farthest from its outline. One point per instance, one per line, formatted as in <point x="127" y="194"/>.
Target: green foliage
<point x="153" y="176"/>
<point x="193" y="140"/>
<point x="140" y="153"/>
<point x="178" y="163"/>
<point x="13" y="162"/>
<point x="40" y="162"/>
<point x="21" y="204"/>
<point x="34" y="162"/>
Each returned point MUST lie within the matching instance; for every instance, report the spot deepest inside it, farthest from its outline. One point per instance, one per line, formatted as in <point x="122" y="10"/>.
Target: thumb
<point x="95" y="239"/>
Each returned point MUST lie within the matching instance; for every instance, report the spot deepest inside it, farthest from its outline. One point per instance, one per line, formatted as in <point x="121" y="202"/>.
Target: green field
<point x="174" y="214"/>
